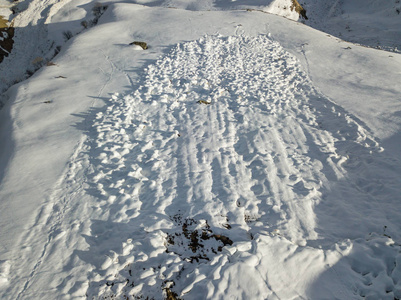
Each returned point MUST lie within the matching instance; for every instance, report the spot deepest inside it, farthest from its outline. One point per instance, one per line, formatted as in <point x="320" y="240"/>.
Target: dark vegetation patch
<point x="171" y="295"/>
<point x="97" y="11"/>
<point x="299" y="9"/>
<point x="195" y="240"/>
<point x="203" y="102"/>
<point x="6" y="38"/>
<point x="192" y="240"/>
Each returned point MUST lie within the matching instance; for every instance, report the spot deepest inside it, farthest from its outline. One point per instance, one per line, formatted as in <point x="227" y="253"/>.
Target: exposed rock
<point x="141" y="44"/>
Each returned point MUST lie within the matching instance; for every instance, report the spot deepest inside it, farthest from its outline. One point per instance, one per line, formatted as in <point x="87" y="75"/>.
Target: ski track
<point x="211" y="168"/>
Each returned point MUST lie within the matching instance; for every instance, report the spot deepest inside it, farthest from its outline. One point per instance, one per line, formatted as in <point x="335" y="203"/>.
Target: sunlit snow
<point x="240" y="154"/>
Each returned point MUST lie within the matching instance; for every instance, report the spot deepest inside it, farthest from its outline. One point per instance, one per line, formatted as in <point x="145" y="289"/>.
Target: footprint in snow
<point x="254" y="162"/>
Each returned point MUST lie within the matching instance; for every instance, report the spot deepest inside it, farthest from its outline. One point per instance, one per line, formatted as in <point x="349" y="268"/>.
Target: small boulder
<point x="143" y="45"/>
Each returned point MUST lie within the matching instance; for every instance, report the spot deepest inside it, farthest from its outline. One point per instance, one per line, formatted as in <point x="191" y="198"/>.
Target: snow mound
<point x="210" y="173"/>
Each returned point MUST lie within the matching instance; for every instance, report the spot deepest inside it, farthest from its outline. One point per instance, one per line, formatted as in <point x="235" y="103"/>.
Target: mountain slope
<point x="242" y="155"/>
<point x="372" y="23"/>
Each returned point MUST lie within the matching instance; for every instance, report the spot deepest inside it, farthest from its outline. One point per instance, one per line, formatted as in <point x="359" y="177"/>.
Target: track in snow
<point x="224" y="173"/>
<point x="226" y="142"/>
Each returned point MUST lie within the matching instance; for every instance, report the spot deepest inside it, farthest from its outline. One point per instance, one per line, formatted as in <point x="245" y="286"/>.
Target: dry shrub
<point x="299" y="9"/>
<point x="6" y="38"/>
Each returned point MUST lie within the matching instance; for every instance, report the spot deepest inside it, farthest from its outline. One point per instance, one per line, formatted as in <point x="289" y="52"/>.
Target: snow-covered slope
<point x="373" y="23"/>
<point x="242" y="155"/>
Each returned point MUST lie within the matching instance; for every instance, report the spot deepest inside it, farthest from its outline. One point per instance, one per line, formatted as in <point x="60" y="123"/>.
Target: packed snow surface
<point x="227" y="137"/>
<point x="242" y="156"/>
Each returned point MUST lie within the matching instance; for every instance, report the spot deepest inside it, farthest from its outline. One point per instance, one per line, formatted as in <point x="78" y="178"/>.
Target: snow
<point x="373" y="23"/>
<point x="242" y="155"/>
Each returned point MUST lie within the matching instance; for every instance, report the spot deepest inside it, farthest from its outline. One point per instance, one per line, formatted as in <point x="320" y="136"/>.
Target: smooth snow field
<point x="242" y="155"/>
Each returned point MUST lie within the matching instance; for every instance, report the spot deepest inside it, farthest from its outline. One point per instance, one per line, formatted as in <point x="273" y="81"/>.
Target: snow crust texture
<point x="212" y="171"/>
